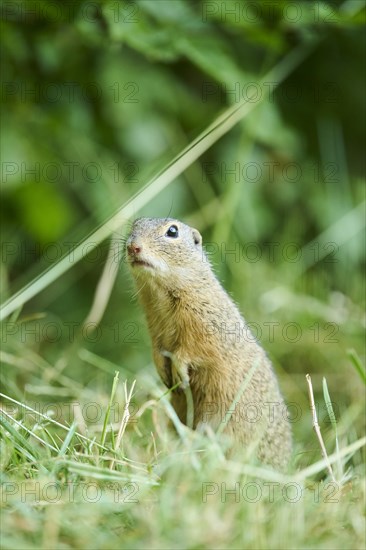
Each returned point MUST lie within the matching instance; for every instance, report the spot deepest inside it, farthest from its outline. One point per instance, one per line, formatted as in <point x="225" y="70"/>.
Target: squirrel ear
<point x="196" y="237"/>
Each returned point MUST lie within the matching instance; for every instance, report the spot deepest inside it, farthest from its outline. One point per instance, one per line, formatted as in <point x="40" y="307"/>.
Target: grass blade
<point x="333" y="420"/>
<point x="18" y="438"/>
<point x="356" y="362"/>
<point x="108" y="413"/>
<point x="68" y="439"/>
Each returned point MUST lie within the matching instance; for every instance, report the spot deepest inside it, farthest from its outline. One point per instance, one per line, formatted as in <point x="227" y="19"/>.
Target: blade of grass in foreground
<point x="68" y="439"/>
<point x="108" y="413"/>
<point x="333" y="420"/>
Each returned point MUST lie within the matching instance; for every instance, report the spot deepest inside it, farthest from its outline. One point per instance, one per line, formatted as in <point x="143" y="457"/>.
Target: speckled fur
<point x="199" y="337"/>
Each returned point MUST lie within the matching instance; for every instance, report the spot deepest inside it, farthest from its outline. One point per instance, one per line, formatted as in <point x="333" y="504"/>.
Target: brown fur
<point x="201" y="340"/>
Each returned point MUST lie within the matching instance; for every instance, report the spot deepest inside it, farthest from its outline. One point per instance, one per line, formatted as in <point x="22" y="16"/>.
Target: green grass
<point x="74" y="487"/>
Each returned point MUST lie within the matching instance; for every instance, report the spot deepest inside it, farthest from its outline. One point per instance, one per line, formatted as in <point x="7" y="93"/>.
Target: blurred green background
<point x="98" y="96"/>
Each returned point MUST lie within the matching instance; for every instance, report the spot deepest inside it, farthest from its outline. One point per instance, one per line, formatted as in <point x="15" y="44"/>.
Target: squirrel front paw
<point x="179" y="372"/>
<point x="180" y="379"/>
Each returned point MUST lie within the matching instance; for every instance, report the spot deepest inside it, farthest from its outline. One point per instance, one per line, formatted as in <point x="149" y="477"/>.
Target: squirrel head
<point x="165" y="251"/>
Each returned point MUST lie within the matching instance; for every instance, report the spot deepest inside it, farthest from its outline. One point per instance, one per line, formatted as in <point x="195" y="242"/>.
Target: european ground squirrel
<point x="202" y="346"/>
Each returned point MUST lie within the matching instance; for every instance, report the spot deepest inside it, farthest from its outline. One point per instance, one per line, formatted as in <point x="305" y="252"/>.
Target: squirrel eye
<point x="172" y="232"/>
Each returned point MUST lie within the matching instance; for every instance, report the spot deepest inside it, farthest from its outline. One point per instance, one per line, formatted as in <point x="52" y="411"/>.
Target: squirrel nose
<point x="133" y="248"/>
